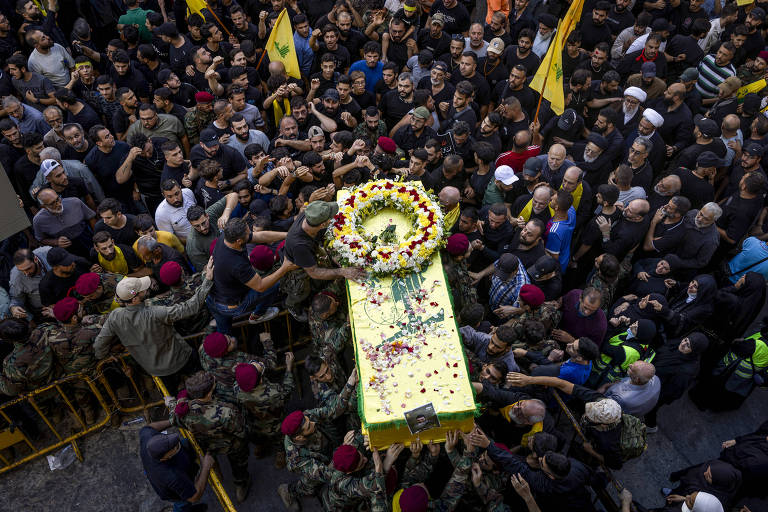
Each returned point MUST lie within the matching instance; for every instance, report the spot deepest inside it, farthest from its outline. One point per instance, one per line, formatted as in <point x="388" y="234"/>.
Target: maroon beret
<point x="387" y="145"/>
<point x="458" y="244"/>
<point x="414" y="499"/>
<point x="262" y="257"/>
<point x="170" y="273"/>
<point x="87" y="283"/>
<point x="204" y="97"/>
<point x="292" y="423"/>
<point x="346" y="458"/>
<point x="65" y="308"/>
<point x="215" y="344"/>
<point x="247" y="376"/>
<point x="532" y="295"/>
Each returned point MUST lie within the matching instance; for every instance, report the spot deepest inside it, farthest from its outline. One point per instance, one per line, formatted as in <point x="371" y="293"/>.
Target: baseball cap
<point x="543" y="266"/>
<point x="648" y="69"/>
<point x="689" y="75"/>
<point x="505" y="174"/>
<point x="318" y="212"/>
<point x="332" y="94"/>
<point x="58" y="256"/>
<point x="753" y="149"/>
<point x="506" y="265"/>
<point x="167" y="29"/>
<point x="421" y="113"/>
<point x="567" y="119"/>
<point x="751" y="103"/>
<point x="48" y="165"/>
<point x="160" y="444"/>
<point x="758" y="13"/>
<point x="129" y="287"/>
<point x="439" y="18"/>
<point x="442" y="66"/>
<point x="706" y="126"/>
<point x="661" y="25"/>
<point x="496" y="46"/>
<point x="315" y="131"/>
<point x="709" y="159"/>
<point x="532" y="166"/>
<point x="209" y="138"/>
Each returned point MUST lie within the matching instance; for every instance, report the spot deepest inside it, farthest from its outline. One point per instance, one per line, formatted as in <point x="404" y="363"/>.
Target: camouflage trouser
<point x="238" y="459"/>
<point x="305" y="486"/>
<point x="266" y="432"/>
<point x="296" y="287"/>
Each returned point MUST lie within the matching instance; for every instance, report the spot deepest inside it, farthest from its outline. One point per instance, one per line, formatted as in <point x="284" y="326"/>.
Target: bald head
<point x="556" y="156"/>
<point x="573" y="173"/>
<point x="534" y="411"/>
<point x="640" y="206"/>
<point x="47" y="195"/>
<point x="731" y="123"/>
<point x="449" y="197"/>
<point x="677" y="90"/>
<point x="276" y="68"/>
<point x="641" y="372"/>
<point x="669" y="185"/>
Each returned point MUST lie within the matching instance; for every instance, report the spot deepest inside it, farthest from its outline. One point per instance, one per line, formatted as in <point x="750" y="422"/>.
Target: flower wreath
<point x="353" y="246"/>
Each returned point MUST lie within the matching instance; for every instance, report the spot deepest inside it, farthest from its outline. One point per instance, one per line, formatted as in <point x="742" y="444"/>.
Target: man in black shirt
<point x="395" y="45"/>
<point x="180" y="49"/>
<point x="65" y="269"/>
<point x="454" y="13"/>
<point x="515" y="86"/>
<point x="433" y="38"/>
<point x="695" y="183"/>
<point x="522" y="54"/>
<point x="415" y="134"/>
<point x="233" y="163"/>
<point x="396" y="103"/>
<point x="126" y="75"/>
<point x="527" y="244"/>
<point x="119" y="225"/>
<point x="594" y="29"/>
<point x="127" y="114"/>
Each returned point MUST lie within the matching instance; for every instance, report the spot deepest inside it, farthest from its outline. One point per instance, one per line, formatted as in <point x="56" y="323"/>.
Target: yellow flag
<point x="280" y="45"/>
<point x="548" y="80"/>
<point x="753" y="87"/>
<point x="197" y="6"/>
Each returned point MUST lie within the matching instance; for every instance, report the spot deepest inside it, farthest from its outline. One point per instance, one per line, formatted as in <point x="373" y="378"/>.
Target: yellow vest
<point x="118" y="264"/>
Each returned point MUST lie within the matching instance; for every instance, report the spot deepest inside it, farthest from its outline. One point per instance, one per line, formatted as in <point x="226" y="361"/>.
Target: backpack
<point x="632" y="437"/>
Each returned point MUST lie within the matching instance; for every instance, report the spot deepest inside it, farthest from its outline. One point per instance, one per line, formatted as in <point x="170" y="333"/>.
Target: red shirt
<point x="517" y="160"/>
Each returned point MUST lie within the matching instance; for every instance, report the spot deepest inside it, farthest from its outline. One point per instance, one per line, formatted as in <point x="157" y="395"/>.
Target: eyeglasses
<point x="55" y="201"/>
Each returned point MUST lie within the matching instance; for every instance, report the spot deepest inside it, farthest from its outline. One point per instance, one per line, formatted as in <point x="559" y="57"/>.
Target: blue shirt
<point x="371" y="75"/>
<point x="173" y="479"/>
<point x="752" y="251"/>
<point x="31" y="121"/>
<point x="575" y="373"/>
<point x="304" y="52"/>
<point x="559" y="238"/>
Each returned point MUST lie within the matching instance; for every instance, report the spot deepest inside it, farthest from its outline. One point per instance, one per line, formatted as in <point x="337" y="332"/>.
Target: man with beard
<point x="528" y="244"/>
<point x="111" y="162"/>
<point x="598" y="64"/>
<point x="397" y="103"/>
<point x="648" y="127"/>
<point x="468" y="72"/>
<point x="666" y="228"/>
<point x="65" y="269"/>
<point x="161" y="97"/>
<point x="677" y="129"/>
<point x="619" y="17"/>
<point x="36" y="90"/>
<point x="115" y="258"/>
<point x="496" y="28"/>
<point x="516" y="86"/>
<point x="49" y="59"/>
<point x="243" y="135"/>
<point x="488" y="131"/>
<point x="433" y="38"/>
<point x="592" y="159"/>
<point x="171" y="214"/>
<point x="453" y="57"/>
<point x="522" y="53"/>
<point x="684" y="50"/>
<point x="754" y="71"/>
<point x="699" y="242"/>
<point x="329" y="108"/>
<point x="491" y="66"/>
<point x="696" y="183"/>
<point x="127" y="114"/>
<point x="532" y="205"/>
<point x="628" y="36"/>
<point x="754" y="42"/>
<point x="605" y="125"/>
<point x="706" y="134"/>
<point x="415" y="134"/>
<point x="637" y="160"/>
<point x="621" y="237"/>
<point x="546" y="29"/>
<point x="57" y="179"/>
<point x="152" y="124"/>
<point x="233" y="163"/>
<point x="349" y="37"/>
<point x="330" y="45"/>
<point x="713" y="70"/>
<point x="574" y="184"/>
<point x="126" y="75"/>
<point x="76" y="111"/>
<point x="455" y="14"/>
<point x="667" y="187"/>
<point x="748" y="164"/>
<point x="182" y="93"/>
<point x="440" y="89"/>
<point x="63" y="222"/>
<point x="632" y="62"/>
<point x="594" y="29"/>
<point x="647" y="80"/>
<point x="475" y="42"/>
<point x="288" y="137"/>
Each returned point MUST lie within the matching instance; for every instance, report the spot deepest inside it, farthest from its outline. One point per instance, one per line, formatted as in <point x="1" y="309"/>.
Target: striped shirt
<point x="505" y="293"/>
<point x="711" y="75"/>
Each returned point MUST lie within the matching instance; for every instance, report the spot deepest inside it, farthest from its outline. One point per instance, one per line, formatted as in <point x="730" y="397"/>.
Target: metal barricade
<point x="127" y="371"/>
<point x="213" y="478"/>
<point x="13" y="435"/>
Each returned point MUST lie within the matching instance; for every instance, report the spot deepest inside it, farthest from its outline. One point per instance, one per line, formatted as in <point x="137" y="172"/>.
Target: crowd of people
<point x="177" y="180"/>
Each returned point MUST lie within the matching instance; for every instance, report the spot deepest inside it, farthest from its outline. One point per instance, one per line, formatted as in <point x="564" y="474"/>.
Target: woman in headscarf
<point x="677" y="365"/>
<point x="690" y="307"/>
<point x="697" y="501"/>
<point x="714" y="477"/>
<point x="749" y="454"/>
<point x="631" y="308"/>
<point x="653" y="275"/>
<point x="738" y="305"/>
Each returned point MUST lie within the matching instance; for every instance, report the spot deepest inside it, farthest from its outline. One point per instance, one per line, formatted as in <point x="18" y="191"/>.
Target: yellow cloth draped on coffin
<point x="407" y="350"/>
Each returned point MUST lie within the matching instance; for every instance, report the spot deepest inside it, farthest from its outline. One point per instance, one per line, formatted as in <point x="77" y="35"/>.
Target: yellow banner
<point x="753" y="87"/>
<point x="548" y="80"/>
<point x="408" y="352"/>
<point x="280" y="45"/>
<point x="741" y="3"/>
<point x="197" y="6"/>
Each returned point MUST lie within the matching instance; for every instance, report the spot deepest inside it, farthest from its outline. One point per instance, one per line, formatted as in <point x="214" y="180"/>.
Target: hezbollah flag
<point x="280" y="45"/>
<point x="197" y="6"/>
<point x="548" y="80"/>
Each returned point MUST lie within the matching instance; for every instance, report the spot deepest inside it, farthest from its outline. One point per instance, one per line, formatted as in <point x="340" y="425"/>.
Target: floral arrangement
<point x="383" y="255"/>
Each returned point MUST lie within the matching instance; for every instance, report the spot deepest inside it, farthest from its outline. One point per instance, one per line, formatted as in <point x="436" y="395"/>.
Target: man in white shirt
<point x="49" y="59"/>
<point x="728" y="16"/>
<point x="171" y="214"/>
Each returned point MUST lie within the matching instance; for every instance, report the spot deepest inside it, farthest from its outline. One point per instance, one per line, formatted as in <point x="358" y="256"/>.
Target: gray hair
<point x="714" y="208"/>
<point x="539" y="405"/>
<point x="646" y="143"/>
<point x="148" y="242"/>
<point x="55" y="108"/>
<point x="10" y="101"/>
<point x="405" y="76"/>
<point x="50" y="153"/>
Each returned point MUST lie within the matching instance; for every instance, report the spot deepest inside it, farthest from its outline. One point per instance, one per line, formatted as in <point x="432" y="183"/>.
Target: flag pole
<point x="264" y="50"/>
<point x="210" y="10"/>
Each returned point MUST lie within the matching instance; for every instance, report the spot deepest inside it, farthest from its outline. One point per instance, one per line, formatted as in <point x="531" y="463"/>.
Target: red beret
<point x="170" y="273"/>
<point x="262" y="257"/>
<point x="458" y="244"/>
<point x="215" y="344"/>
<point x="204" y="97"/>
<point x="346" y="458"/>
<point x="247" y="376"/>
<point x="87" y="283"/>
<point x="532" y="295"/>
<point x="414" y="499"/>
<point x="65" y="308"/>
<point x="292" y="423"/>
<point x="503" y="447"/>
<point x="387" y="145"/>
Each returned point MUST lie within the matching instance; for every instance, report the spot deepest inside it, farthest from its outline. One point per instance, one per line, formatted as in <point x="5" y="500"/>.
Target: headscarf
<point x="677" y="370"/>
<point x="635" y="312"/>
<point x="704" y="502"/>
<point x="738" y="306"/>
<point x="726" y="481"/>
<point x="683" y="314"/>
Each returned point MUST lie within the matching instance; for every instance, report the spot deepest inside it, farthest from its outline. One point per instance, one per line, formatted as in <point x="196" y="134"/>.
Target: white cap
<point x="48" y="165"/>
<point x="636" y="92"/>
<point x="505" y="174"/>
<point x="704" y="502"/>
<point x="129" y="287"/>
<point x="653" y="117"/>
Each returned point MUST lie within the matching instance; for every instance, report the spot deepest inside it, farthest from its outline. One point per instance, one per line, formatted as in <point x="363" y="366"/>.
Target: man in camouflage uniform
<point x="326" y="379"/>
<point x="328" y="319"/>
<point x="30" y="364"/>
<point x="308" y="448"/>
<point x="353" y="483"/>
<point x="181" y="289"/>
<point x="199" y="117"/>
<point x="218" y="426"/>
<point x="219" y="356"/>
<point x="490" y="481"/>
<point x="72" y="344"/>
<point x="600" y="280"/>
<point x="263" y="402"/>
<point x="96" y="292"/>
<point x="462" y="286"/>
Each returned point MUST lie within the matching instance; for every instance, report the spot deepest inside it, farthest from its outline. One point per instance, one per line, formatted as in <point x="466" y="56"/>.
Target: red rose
<point x="388" y="185"/>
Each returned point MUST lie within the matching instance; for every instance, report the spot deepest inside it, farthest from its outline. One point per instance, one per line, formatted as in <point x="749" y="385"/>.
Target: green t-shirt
<point x="137" y="16"/>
